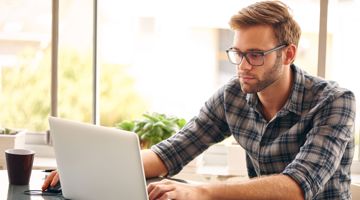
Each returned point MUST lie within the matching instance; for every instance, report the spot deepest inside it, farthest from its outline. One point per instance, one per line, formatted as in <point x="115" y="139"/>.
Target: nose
<point x="244" y="65"/>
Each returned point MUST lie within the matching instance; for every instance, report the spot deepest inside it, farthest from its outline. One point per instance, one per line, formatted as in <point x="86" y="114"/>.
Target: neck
<point x="274" y="97"/>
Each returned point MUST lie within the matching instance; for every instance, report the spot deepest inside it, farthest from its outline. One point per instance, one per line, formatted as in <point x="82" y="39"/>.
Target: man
<point x="296" y="129"/>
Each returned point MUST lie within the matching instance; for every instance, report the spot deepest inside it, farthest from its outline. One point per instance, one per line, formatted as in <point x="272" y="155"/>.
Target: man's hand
<point x="50" y="180"/>
<point x="266" y="187"/>
<point x="166" y="189"/>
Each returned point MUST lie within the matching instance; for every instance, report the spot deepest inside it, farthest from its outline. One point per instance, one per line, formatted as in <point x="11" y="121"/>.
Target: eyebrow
<point x="248" y="50"/>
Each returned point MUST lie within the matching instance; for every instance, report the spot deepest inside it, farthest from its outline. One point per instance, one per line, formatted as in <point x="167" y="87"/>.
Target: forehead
<point x="259" y="37"/>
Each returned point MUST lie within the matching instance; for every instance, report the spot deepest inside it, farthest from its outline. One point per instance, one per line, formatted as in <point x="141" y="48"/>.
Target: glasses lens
<point x="234" y="57"/>
<point x="255" y="58"/>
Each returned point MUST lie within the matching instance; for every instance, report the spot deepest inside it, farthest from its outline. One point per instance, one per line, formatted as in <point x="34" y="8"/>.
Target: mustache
<point x="239" y="75"/>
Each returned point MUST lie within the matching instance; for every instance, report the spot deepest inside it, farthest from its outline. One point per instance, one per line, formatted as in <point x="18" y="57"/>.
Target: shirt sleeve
<point x="198" y="134"/>
<point x="325" y="144"/>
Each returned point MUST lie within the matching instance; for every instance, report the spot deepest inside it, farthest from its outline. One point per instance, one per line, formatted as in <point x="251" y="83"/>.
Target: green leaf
<point x="181" y="122"/>
<point x="160" y="124"/>
<point x="158" y="131"/>
<point x="148" y="126"/>
<point x="145" y="136"/>
<point x="126" y="125"/>
<point x="152" y="118"/>
<point x="8" y="131"/>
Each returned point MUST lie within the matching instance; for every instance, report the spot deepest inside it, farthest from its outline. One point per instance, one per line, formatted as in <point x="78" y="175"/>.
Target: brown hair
<point x="272" y="13"/>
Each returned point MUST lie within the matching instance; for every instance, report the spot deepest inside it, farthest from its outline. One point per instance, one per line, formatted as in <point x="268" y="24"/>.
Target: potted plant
<point x="153" y="128"/>
<point x="10" y="139"/>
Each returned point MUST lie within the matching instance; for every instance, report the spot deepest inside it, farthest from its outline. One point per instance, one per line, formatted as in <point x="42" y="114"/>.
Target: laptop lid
<point x="96" y="162"/>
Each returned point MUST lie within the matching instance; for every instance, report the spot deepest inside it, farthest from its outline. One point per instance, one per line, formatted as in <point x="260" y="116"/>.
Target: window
<point x="154" y="54"/>
<point x="24" y="63"/>
<point x="148" y="56"/>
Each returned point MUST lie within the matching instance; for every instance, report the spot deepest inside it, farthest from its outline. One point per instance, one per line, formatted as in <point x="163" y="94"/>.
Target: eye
<point x="238" y="53"/>
<point x="254" y="55"/>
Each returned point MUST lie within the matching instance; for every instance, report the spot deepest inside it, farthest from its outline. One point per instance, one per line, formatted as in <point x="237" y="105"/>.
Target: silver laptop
<point x="96" y="162"/>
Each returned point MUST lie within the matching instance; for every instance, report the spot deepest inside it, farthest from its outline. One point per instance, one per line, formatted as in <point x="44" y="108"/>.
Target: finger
<point x="168" y="196"/>
<point x="153" y="184"/>
<point x="55" y="180"/>
<point x="159" y="190"/>
<point x="48" y="180"/>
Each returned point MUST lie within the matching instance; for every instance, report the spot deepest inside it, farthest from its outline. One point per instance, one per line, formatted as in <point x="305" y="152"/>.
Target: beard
<point x="270" y="76"/>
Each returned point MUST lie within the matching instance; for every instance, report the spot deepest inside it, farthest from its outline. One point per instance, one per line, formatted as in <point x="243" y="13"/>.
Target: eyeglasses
<point x="254" y="58"/>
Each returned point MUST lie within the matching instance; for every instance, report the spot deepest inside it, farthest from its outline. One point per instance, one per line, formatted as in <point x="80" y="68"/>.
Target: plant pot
<point x="16" y="141"/>
<point x="144" y="144"/>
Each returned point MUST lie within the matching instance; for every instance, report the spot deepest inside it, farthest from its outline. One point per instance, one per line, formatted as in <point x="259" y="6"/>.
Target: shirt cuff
<point x="169" y="157"/>
<point x="301" y="180"/>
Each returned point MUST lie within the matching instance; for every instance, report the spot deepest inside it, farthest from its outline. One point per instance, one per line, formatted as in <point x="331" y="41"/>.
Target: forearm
<point x="269" y="187"/>
<point x="153" y="165"/>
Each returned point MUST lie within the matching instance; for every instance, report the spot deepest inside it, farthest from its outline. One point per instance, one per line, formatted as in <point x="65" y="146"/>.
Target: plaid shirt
<point x="310" y="139"/>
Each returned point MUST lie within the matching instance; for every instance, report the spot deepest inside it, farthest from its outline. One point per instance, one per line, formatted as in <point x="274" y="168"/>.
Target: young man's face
<point x="258" y="38"/>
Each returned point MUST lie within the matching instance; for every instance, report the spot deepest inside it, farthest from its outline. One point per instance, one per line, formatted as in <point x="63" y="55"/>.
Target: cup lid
<point x="20" y="151"/>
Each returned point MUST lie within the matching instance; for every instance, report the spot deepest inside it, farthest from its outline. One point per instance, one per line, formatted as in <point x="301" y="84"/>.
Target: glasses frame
<point x="244" y="54"/>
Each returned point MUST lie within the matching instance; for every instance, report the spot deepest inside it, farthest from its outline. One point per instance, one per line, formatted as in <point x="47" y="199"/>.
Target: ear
<point x="290" y="52"/>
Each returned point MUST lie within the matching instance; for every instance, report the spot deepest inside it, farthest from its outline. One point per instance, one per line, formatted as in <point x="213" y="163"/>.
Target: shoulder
<point x="320" y="91"/>
<point x="323" y="89"/>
